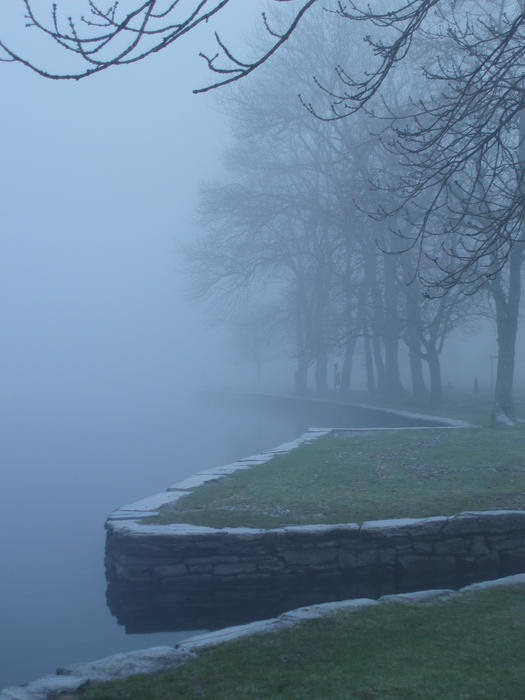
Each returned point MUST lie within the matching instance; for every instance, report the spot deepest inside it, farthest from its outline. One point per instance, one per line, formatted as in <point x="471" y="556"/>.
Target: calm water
<point x="65" y="465"/>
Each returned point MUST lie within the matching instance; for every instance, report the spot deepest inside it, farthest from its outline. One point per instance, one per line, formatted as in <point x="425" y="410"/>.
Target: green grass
<point x="357" y="476"/>
<point x="463" y="405"/>
<point x="469" y="646"/>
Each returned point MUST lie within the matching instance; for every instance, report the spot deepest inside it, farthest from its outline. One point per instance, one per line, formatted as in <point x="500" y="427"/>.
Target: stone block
<point x="270" y="564"/>
<point x="488" y="564"/>
<point x="367" y="557"/>
<point x="309" y="557"/>
<point x="46" y="687"/>
<point x="489" y="522"/>
<point x="347" y="559"/>
<point x="405" y="527"/>
<point x="422" y="547"/>
<point x="169" y="571"/>
<point x="408" y="549"/>
<point x="204" y="561"/>
<point x="126" y="664"/>
<point x="479" y="546"/>
<point x="200" y="568"/>
<point x="512" y="562"/>
<point x="517" y="579"/>
<point x="133" y="573"/>
<point x="428" y="568"/>
<point x="501" y="543"/>
<point x="387" y="556"/>
<point x="239" y="569"/>
<point x="455" y="545"/>
<point x="419" y="596"/>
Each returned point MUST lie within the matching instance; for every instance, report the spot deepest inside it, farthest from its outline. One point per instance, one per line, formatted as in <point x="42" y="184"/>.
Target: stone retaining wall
<point x="165" y="577"/>
<point x="194" y="573"/>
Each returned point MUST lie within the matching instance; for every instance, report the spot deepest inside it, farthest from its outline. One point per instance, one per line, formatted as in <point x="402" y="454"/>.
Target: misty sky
<point x="99" y="179"/>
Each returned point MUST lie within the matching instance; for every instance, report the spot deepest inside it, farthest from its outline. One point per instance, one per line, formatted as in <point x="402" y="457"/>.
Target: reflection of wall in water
<point x="214" y="580"/>
<point x="160" y="583"/>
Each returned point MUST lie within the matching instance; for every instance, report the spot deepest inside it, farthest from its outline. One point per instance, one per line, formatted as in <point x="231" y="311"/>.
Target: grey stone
<point x="419" y="596"/>
<point x="401" y="526"/>
<point x="312" y="612"/>
<point x="44" y="688"/>
<point x="347" y="559"/>
<point x="367" y="557"/>
<point x="387" y="556"/>
<point x="209" y="639"/>
<point x="512" y="562"/>
<point x="200" y="568"/>
<point x="489" y="521"/>
<point x="450" y="546"/>
<point x="234" y="569"/>
<point x="402" y="549"/>
<point x="422" y="547"/>
<point x="488" y="564"/>
<point x="170" y="570"/>
<point x="124" y="665"/>
<point x="516" y="579"/>
<point x="271" y="564"/>
<point x="479" y="545"/>
<point x="501" y="543"/>
<point x="308" y="557"/>
<point x="426" y="567"/>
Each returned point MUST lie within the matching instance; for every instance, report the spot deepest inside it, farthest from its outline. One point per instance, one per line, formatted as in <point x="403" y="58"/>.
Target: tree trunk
<point x="507" y="314"/>
<point x="346" y="373"/>
<point x="370" y="377"/>
<point x="434" y="368"/>
<point x="508" y="305"/>
<point x="413" y="338"/>
<point x="301" y="377"/>
<point x="379" y="364"/>
<point x="391" y="331"/>
<point x="321" y="374"/>
<point x="419" y="390"/>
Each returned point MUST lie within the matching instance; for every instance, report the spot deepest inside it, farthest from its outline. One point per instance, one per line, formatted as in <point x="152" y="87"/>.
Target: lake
<point x="69" y="461"/>
<point x="65" y="465"/>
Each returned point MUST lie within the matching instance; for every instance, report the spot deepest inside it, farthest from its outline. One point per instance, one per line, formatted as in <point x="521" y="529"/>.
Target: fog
<point x="103" y="354"/>
<point x="100" y="348"/>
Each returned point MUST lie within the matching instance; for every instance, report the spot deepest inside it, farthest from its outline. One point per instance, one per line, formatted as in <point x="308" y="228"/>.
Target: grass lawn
<point x="467" y="406"/>
<point x="468" y="646"/>
<point x="357" y="476"/>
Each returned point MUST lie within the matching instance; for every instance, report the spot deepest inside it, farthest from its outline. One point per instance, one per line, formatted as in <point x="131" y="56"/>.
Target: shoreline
<point x="135" y="512"/>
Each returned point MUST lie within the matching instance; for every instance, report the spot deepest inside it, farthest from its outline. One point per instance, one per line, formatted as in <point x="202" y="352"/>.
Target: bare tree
<point x="100" y="36"/>
<point x="463" y="153"/>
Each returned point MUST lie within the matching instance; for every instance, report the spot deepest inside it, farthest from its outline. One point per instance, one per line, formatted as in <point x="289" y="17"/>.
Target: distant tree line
<point x="410" y="167"/>
<point x="294" y="216"/>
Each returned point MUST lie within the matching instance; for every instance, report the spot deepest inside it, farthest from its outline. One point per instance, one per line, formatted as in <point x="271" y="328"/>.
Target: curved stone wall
<point x="164" y="577"/>
<point x="169" y="577"/>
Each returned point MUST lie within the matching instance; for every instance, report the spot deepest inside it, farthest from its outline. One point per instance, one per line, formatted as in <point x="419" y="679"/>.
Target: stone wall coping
<point x="488" y="513"/>
<point x="449" y="422"/>
<point x="74" y="676"/>
<point x="129" y="516"/>
<point x="399" y="523"/>
<point x="146" y="507"/>
<point x="132" y="527"/>
<point x="515" y="579"/>
<point x="150" y="505"/>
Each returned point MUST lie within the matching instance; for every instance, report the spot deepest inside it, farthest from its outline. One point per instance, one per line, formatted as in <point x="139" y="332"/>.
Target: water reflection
<point x="149" y="605"/>
<point x="67" y="461"/>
